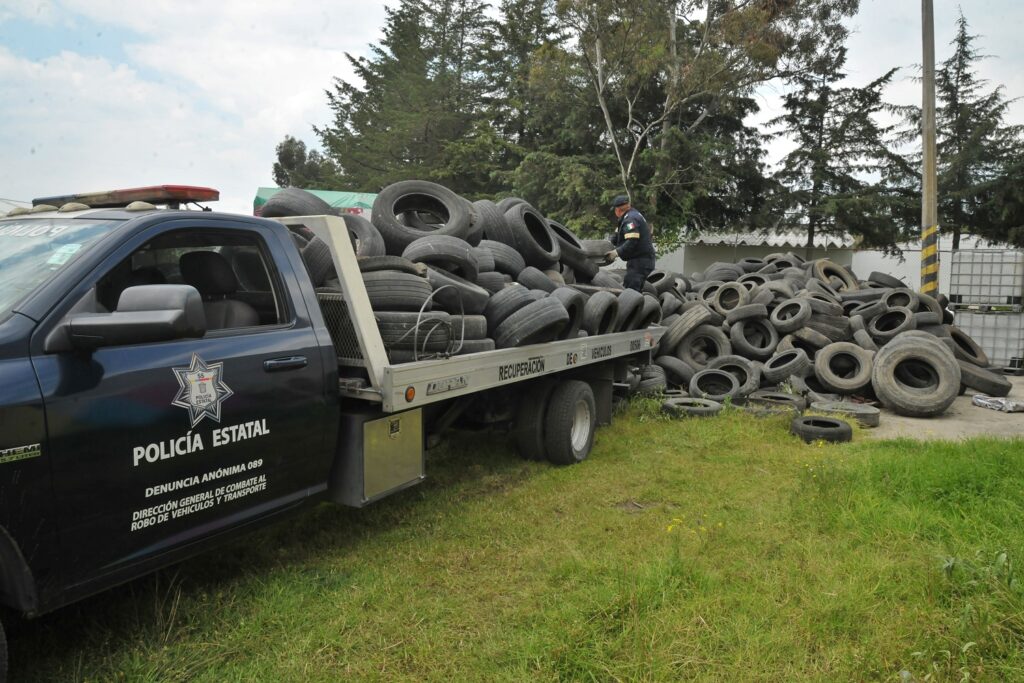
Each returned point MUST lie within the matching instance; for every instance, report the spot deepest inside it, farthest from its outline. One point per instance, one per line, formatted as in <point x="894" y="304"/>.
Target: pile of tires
<point x="448" y="276"/>
<point x="737" y="331"/>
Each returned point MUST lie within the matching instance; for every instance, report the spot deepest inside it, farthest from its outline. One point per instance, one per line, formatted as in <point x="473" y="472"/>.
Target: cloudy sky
<point x="100" y="94"/>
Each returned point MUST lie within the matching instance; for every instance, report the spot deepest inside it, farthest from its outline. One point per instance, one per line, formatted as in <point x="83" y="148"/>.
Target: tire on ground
<point x="813" y="428"/>
<point x="785" y="364"/>
<point x="915" y="380"/>
<point x="691" y="407"/>
<point x="703" y="344"/>
<point x="843" y="368"/>
<point x="867" y="416"/>
<point x="716" y="385"/>
<point x="980" y="379"/>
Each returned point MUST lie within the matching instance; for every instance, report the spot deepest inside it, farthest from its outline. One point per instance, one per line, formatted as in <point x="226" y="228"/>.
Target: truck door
<point x="156" y="446"/>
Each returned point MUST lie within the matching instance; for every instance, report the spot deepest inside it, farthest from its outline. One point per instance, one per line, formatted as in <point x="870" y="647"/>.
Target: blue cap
<point x="619" y="200"/>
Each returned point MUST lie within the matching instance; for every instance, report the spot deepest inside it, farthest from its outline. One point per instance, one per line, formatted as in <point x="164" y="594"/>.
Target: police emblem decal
<point x="201" y="389"/>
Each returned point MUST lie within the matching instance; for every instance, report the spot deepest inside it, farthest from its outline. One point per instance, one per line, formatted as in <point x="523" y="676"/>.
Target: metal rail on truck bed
<point x="402" y="386"/>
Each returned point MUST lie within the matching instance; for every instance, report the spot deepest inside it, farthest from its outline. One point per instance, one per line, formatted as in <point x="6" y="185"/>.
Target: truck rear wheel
<point x="528" y="429"/>
<point x="3" y="654"/>
<point x="570" y="423"/>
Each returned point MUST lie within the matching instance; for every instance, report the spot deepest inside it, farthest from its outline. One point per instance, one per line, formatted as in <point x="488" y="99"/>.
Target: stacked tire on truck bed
<point x="782" y="333"/>
<point x="447" y="277"/>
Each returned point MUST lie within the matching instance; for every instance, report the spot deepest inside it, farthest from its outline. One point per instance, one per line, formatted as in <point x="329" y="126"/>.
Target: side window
<point x="232" y="270"/>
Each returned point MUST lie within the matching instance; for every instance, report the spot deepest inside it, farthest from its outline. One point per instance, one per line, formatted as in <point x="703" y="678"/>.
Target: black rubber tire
<point x="824" y="270"/>
<point x="398" y="330"/>
<point x="365" y="238"/>
<point x="391" y="290"/>
<point x="747" y="312"/>
<point x="291" y="201"/>
<point x="506" y="259"/>
<point x="891" y="323"/>
<point x="474" y="346"/>
<point x="649" y="314"/>
<point x="829" y="429"/>
<point x="468" y="327"/>
<point x="865" y="415"/>
<point x="747" y="374"/>
<point x="791" y="315"/>
<point x="716" y="385"/>
<point x="532" y="278"/>
<point x="966" y="348"/>
<point x="508" y="202"/>
<point x="444" y="252"/>
<point x="596" y="249"/>
<point x="505" y="303"/>
<point x="662" y="280"/>
<point x="484" y="259"/>
<point x="537" y="322"/>
<point x="570" y="402"/>
<point x="886" y="280"/>
<point x="493" y="282"/>
<point x="694" y="349"/>
<point x="821" y="304"/>
<point x="572" y="253"/>
<point x="925" y="318"/>
<point x="600" y="313"/>
<point x="914" y="379"/>
<point x="786" y="364"/>
<point x="745" y="334"/>
<point x="691" y="407"/>
<point x="982" y="380"/>
<point x="574" y="303"/>
<point x="863" y="339"/>
<point x="901" y="298"/>
<point x="843" y="368"/>
<point x="528" y="425"/>
<point x="868" y="310"/>
<point x="687" y="322"/>
<point x="670" y="304"/>
<point x="418" y="195"/>
<point x="606" y="279"/>
<point x="488" y="213"/>
<point x="455" y="294"/>
<point x="837" y="328"/>
<point x="799" y="403"/>
<point x="928" y="304"/>
<point x="676" y="371"/>
<point x="630" y="303"/>
<point x="651" y="383"/>
<point x="372" y="264"/>
<point x="533" y="236"/>
<point x="729" y="296"/>
<point x="3" y="654"/>
<point x="316" y="256"/>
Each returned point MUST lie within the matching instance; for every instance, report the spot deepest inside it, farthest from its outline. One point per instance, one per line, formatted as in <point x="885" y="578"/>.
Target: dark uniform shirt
<point x="633" y="238"/>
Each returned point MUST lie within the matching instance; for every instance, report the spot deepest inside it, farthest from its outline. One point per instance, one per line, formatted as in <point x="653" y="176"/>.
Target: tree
<point x="839" y="150"/>
<point x="297" y="167"/>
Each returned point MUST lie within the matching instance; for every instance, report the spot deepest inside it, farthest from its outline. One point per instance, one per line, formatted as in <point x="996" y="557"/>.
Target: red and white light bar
<point x="155" y="194"/>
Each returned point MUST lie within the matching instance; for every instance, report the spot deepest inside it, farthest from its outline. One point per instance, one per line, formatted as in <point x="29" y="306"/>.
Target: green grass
<point x="718" y="549"/>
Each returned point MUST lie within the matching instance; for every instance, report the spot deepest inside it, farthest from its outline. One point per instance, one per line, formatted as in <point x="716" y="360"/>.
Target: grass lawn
<point x="718" y="549"/>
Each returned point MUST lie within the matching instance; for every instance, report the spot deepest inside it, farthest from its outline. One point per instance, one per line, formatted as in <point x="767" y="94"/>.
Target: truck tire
<point x="966" y="348"/>
<point x="570" y="422"/>
<point x="691" y="407"/>
<point x="371" y="264"/>
<point x="456" y="295"/>
<point x="828" y="429"/>
<point x="444" y="252"/>
<point x="600" y="313"/>
<point x="915" y="379"/>
<point x="390" y="290"/>
<point x="716" y="385"/>
<point x="418" y="195"/>
<point x="843" y="368"/>
<point x="291" y="201"/>
<point x="505" y="303"/>
<point x="786" y="364"/>
<point x="533" y="236"/>
<point x="529" y="422"/>
<point x="366" y="239"/>
<point x="532" y="278"/>
<point x="540" y="321"/>
<point x="981" y="380"/>
<point x="3" y="654"/>
<point x="506" y="259"/>
<point x="574" y="303"/>
<point x="407" y="330"/>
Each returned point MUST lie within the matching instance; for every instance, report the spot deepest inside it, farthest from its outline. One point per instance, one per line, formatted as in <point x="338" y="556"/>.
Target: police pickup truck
<point x="169" y="378"/>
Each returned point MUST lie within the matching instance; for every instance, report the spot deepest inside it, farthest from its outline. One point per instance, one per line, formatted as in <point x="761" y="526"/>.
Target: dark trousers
<point x="637" y="270"/>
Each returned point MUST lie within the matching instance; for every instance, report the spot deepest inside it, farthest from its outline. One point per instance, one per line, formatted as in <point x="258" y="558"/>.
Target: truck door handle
<point x="287" y="363"/>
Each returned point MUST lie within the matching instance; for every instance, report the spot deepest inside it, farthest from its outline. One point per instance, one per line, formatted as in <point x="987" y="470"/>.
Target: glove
<point x="611" y="256"/>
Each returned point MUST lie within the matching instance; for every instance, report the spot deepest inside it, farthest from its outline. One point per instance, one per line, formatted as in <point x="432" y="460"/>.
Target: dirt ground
<point x="961" y="421"/>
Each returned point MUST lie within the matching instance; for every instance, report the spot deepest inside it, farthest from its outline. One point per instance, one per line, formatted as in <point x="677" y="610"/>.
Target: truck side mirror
<point x="145" y="314"/>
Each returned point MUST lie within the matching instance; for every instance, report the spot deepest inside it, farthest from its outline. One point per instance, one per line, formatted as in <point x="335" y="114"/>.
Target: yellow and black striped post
<point x="930" y="260"/>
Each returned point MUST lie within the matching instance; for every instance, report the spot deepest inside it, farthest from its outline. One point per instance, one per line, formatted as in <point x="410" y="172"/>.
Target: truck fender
<point x="17" y="587"/>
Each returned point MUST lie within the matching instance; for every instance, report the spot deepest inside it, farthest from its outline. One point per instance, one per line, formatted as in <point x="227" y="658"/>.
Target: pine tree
<point x="839" y="148"/>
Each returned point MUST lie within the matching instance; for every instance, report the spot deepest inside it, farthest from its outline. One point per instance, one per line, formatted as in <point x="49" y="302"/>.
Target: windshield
<point x="33" y="250"/>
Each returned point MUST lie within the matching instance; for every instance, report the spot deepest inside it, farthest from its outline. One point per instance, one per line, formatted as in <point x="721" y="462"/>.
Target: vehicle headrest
<point x="167" y="298"/>
<point x="209" y="272"/>
<point x="146" y="276"/>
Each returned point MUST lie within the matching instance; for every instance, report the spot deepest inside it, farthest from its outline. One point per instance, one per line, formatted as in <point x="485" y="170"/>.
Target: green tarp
<point x="340" y="200"/>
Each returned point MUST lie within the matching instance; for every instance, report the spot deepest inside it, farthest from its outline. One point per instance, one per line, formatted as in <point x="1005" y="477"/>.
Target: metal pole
<point x="929" y="181"/>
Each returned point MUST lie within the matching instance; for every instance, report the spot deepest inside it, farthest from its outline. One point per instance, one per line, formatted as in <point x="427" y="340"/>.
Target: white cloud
<point x="208" y="90"/>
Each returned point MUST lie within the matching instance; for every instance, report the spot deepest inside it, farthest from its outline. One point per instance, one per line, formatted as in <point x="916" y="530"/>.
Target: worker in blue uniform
<point x="633" y="244"/>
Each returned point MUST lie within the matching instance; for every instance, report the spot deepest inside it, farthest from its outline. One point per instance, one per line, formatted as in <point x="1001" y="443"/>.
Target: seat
<point x="211" y="274"/>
